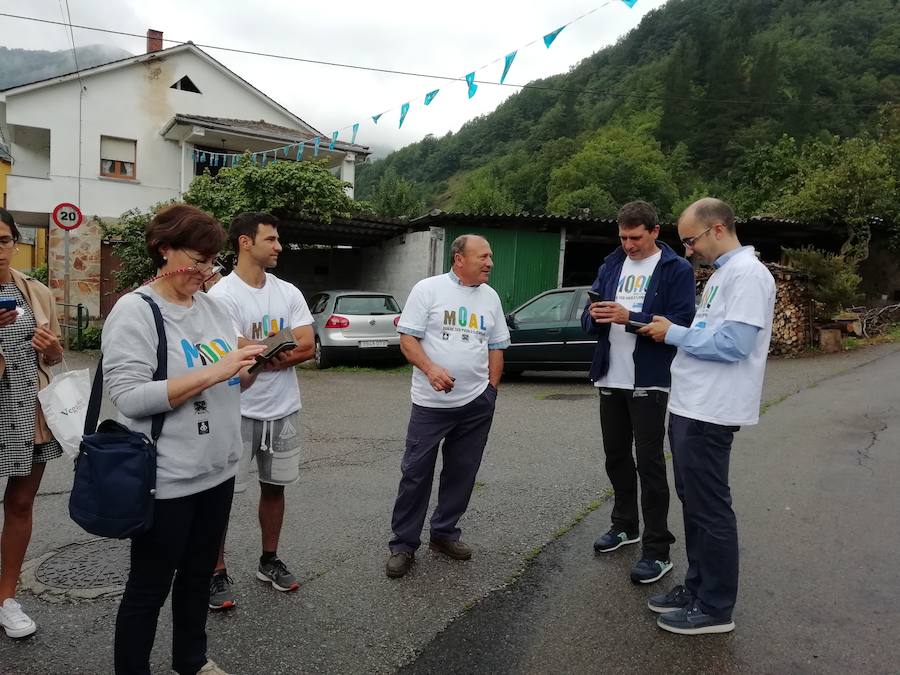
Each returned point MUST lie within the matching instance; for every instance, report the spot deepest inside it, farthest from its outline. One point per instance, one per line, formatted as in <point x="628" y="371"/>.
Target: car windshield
<point x="366" y="304"/>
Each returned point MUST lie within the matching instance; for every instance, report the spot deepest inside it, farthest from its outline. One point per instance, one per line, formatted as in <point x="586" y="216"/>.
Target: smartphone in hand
<point x="594" y="296"/>
<point x="8" y="304"/>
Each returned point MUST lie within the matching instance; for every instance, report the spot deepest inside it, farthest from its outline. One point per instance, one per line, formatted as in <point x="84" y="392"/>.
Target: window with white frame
<point x="117" y="157"/>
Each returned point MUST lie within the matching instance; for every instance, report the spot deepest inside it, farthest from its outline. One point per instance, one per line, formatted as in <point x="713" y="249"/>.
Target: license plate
<point x="366" y="344"/>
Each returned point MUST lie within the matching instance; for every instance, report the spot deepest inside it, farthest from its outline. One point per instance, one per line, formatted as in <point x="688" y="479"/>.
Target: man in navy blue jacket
<point x="638" y="280"/>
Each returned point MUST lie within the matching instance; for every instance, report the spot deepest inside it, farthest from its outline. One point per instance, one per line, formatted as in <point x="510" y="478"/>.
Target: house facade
<point x="123" y="135"/>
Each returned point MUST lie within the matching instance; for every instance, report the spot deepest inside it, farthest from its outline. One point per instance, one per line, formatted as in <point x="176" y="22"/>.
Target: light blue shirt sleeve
<point x="732" y="342"/>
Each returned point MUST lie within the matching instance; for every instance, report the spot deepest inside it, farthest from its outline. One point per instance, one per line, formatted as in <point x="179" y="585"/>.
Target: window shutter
<point x="117" y="148"/>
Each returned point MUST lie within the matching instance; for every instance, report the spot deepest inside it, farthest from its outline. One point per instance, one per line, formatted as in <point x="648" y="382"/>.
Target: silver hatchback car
<point x="355" y="326"/>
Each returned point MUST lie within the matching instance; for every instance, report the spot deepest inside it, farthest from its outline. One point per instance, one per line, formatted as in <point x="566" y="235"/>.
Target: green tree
<point x="396" y="197"/>
<point x="618" y="162"/>
<point x="288" y="190"/>
<point x="482" y="193"/>
<point x="844" y="183"/>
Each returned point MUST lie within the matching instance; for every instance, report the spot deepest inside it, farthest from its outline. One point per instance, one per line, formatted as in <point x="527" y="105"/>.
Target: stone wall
<point x="84" y="265"/>
<point x="791" y="325"/>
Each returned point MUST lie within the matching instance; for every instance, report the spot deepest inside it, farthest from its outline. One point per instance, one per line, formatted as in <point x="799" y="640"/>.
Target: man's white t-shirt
<point x="633" y="282"/>
<point x="455" y="324"/>
<point x="742" y="290"/>
<point x="257" y="313"/>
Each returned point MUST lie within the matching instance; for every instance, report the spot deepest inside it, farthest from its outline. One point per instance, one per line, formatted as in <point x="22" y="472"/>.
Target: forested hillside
<point x="780" y="106"/>
<point x="19" y="66"/>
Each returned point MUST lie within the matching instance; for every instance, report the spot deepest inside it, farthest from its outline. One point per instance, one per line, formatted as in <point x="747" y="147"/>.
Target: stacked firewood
<point x="791" y="325"/>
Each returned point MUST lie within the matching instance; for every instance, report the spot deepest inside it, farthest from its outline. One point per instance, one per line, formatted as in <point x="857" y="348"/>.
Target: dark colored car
<point x="547" y="335"/>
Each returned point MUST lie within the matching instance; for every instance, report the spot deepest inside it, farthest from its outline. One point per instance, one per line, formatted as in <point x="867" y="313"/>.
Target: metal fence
<point x="82" y="320"/>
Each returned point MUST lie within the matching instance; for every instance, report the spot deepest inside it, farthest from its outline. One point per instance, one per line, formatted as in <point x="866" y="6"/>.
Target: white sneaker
<point x="15" y="622"/>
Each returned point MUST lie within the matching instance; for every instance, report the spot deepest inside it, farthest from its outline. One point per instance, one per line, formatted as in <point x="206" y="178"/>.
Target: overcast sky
<point x="443" y="38"/>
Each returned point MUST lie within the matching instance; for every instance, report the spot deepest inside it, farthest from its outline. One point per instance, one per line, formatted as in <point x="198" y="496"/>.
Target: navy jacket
<point x="671" y="294"/>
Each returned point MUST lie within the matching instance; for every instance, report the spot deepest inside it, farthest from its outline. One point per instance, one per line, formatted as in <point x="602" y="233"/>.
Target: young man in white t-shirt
<point x="453" y="332"/>
<point x="717" y="379"/>
<point x="260" y="305"/>
<point x="642" y="277"/>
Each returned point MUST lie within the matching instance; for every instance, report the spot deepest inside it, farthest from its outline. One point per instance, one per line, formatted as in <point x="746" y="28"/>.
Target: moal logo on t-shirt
<point x="465" y="322"/>
<point x="204" y="353"/>
<point x="631" y="290"/>
<point x="266" y="327"/>
<point x="706" y="301"/>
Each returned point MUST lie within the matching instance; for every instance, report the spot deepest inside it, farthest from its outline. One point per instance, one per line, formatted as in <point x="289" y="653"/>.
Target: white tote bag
<point x="64" y="402"/>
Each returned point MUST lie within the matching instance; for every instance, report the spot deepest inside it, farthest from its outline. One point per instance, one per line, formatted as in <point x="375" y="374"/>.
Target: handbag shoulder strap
<point x="93" y="410"/>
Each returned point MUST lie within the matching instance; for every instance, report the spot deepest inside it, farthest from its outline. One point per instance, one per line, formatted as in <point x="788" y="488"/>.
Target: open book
<point x="276" y="343"/>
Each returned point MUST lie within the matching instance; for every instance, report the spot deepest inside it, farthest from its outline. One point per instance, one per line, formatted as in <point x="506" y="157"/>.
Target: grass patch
<point x="478" y="485"/>
<point x="775" y="401"/>
<point x="851" y="343"/>
<point x="529" y="557"/>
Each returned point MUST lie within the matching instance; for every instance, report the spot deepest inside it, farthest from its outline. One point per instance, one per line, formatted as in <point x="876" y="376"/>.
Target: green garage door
<point x="525" y="263"/>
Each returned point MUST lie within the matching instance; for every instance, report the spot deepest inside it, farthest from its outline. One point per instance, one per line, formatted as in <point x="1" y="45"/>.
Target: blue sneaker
<point x="693" y="621"/>
<point x="647" y="570"/>
<point x="678" y="598"/>
<point x="613" y="540"/>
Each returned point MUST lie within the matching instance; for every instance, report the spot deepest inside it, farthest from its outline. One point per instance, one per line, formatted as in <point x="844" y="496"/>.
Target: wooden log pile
<point x="791" y="325"/>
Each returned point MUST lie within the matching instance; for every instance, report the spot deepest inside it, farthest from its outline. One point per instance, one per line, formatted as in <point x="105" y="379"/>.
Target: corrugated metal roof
<point x="360" y="230"/>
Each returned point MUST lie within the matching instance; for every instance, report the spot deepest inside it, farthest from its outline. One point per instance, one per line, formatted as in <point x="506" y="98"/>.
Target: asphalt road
<point x="815" y="490"/>
<point x="809" y="554"/>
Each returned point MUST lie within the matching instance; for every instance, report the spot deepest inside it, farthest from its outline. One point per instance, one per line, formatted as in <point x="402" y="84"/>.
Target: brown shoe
<point x="399" y="563"/>
<point x="452" y="549"/>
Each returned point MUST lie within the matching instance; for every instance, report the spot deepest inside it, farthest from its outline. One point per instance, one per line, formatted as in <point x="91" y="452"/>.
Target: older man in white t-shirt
<point x="717" y="379"/>
<point x="453" y="332"/>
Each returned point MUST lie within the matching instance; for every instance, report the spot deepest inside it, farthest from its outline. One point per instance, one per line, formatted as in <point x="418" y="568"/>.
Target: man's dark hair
<point x="638" y="213"/>
<point x="710" y="211"/>
<point x="7" y="219"/>
<point x="182" y="226"/>
<point x="247" y="224"/>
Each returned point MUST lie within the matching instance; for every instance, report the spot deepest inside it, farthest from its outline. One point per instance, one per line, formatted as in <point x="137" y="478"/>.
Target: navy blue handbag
<point x="115" y="471"/>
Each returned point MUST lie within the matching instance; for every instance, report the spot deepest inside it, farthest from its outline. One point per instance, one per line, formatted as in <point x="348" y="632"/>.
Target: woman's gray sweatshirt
<point x="200" y="443"/>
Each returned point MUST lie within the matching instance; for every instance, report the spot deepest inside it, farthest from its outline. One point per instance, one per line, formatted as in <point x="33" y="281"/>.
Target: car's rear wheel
<point x="321" y="356"/>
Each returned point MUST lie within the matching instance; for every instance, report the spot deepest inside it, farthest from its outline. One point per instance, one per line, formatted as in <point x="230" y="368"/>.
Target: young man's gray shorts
<point x="276" y="446"/>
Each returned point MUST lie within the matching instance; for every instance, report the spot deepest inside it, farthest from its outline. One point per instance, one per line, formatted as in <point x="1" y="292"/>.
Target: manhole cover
<point x="99" y="564"/>
<point x="568" y="397"/>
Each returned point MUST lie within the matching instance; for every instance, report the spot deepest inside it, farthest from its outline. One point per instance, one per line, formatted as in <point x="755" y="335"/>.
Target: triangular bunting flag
<point x="403" y="110"/>
<point x="355" y="130"/>
<point x="334" y="136"/>
<point x="203" y="157"/>
<point x="550" y="37"/>
<point x="470" y="79"/>
<point x="316" y="146"/>
<point x="630" y="3"/>
<point x="429" y="97"/>
<point x="300" y="151"/>
<point x="377" y="117"/>
<point x="509" y="59"/>
<point x="285" y="149"/>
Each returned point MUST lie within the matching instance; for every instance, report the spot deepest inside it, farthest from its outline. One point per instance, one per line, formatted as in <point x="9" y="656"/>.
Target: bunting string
<point x="225" y="159"/>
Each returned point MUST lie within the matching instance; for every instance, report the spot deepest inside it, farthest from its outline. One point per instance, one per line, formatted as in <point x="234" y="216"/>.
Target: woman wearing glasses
<point x="29" y="345"/>
<point x="199" y="449"/>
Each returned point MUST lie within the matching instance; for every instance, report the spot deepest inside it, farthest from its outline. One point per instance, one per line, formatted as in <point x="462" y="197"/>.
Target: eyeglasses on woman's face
<point x="208" y="268"/>
<point x="7" y="242"/>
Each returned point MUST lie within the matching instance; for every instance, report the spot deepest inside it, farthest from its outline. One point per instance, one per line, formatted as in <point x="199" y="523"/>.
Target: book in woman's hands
<point x="279" y="342"/>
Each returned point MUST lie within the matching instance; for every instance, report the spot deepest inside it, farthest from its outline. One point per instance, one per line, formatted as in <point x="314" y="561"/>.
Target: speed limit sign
<point x="67" y="216"/>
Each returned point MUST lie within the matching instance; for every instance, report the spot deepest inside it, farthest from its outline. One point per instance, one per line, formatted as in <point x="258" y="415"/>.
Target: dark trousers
<point x="700" y="453"/>
<point x="640" y="417"/>
<point x="184" y="543"/>
<point x="464" y="431"/>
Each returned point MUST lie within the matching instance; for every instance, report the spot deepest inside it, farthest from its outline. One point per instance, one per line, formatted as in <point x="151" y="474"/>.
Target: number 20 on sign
<point x="67" y="216"/>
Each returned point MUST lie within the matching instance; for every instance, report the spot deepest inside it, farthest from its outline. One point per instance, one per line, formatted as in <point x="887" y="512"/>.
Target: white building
<point x="124" y="134"/>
